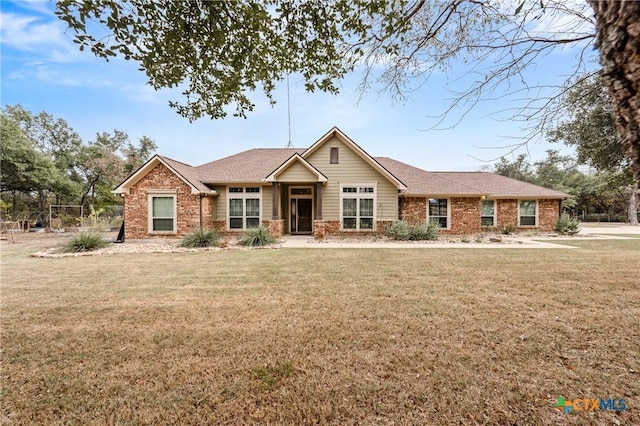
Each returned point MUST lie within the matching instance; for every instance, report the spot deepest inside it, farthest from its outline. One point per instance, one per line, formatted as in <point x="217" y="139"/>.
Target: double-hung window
<point x="357" y="207"/>
<point x="488" y="213"/>
<point x="439" y="211"/>
<point x="527" y="213"/>
<point x="244" y="207"/>
<point x="162" y="213"/>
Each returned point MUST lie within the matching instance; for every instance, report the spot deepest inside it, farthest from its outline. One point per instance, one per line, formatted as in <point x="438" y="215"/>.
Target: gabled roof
<point x="245" y="167"/>
<point x="501" y="186"/>
<point x="422" y="182"/>
<point x="335" y="132"/>
<point x="182" y="170"/>
<point x="296" y="159"/>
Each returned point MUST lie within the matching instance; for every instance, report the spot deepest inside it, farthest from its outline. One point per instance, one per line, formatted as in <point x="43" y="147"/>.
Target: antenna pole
<point x="290" y="144"/>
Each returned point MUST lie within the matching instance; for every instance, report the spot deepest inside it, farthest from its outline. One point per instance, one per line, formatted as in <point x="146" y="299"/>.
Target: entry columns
<point x="318" y="195"/>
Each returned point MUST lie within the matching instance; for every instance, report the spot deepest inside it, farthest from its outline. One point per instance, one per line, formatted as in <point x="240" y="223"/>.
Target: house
<point x="333" y="187"/>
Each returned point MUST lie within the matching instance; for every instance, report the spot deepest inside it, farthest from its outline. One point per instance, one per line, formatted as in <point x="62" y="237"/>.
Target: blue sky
<point x="43" y="70"/>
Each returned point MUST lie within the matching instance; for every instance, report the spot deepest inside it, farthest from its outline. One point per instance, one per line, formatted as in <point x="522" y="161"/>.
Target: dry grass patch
<point x="321" y="336"/>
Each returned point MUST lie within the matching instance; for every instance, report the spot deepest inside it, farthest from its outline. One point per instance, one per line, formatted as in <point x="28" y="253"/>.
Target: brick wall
<point x="412" y="209"/>
<point x="137" y="204"/>
<point x="465" y="216"/>
<point x="548" y="213"/>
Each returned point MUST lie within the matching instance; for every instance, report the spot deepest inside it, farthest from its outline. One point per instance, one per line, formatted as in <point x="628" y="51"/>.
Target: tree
<point x="24" y="169"/>
<point x="220" y="51"/>
<point x="591" y="129"/>
<point x="135" y="157"/>
<point x="619" y="44"/>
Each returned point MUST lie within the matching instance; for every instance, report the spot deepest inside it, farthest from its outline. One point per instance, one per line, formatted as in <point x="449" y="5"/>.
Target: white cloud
<point x="31" y="34"/>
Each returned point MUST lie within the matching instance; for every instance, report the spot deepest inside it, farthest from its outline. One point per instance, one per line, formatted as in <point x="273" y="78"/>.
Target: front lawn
<point x="366" y="336"/>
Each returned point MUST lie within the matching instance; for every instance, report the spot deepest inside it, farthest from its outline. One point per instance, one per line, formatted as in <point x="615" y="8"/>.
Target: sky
<point x="43" y="70"/>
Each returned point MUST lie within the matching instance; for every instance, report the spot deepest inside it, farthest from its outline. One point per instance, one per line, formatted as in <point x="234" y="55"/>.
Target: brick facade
<point x="548" y="213"/>
<point x="136" y="209"/>
<point x="465" y="216"/>
<point x="412" y="209"/>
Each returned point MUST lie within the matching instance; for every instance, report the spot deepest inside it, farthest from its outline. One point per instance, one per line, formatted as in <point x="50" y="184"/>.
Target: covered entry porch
<point x="296" y="206"/>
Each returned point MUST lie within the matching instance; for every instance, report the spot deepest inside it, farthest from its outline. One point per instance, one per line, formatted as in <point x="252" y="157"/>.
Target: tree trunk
<point x="618" y="39"/>
<point x="633" y="204"/>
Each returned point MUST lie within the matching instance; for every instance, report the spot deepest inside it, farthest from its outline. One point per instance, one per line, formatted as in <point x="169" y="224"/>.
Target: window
<point x="162" y="208"/>
<point x="487" y="213"/>
<point x="244" y="207"/>
<point x="333" y="156"/>
<point x="439" y="211"/>
<point x="527" y="213"/>
<point x="357" y="207"/>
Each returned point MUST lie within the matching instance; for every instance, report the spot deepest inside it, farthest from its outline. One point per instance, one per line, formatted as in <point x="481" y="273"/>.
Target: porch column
<point x="318" y="200"/>
<point x="275" y="200"/>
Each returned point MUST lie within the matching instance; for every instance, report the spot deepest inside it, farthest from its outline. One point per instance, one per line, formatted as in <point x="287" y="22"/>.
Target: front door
<point x="301" y="215"/>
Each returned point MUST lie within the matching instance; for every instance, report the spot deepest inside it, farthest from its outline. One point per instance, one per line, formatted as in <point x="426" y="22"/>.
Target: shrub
<point x="429" y="231"/>
<point x="567" y="225"/>
<point x="398" y="230"/>
<point x="85" y="241"/>
<point x="200" y="238"/>
<point x="257" y="237"/>
<point x="508" y="229"/>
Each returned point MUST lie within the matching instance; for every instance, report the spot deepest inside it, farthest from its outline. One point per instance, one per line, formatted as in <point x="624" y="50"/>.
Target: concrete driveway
<point x="609" y="228"/>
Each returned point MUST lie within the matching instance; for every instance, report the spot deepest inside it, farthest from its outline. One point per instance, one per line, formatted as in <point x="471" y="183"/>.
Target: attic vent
<point x="333" y="156"/>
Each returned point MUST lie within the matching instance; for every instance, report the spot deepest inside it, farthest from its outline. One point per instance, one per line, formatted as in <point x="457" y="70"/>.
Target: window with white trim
<point x="488" y="213"/>
<point x="357" y="204"/>
<point x="439" y="211"/>
<point x="243" y="207"/>
<point x="527" y="213"/>
<point x="162" y="213"/>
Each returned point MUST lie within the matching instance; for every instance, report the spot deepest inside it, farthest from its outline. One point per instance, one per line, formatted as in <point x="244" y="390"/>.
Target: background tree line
<point x="44" y="162"/>
<point x="599" y="176"/>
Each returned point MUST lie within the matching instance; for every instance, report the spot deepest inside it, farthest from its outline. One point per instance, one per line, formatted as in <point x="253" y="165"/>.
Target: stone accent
<point x="323" y="228"/>
<point x="413" y="210"/>
<point x="465" y="216"/>
<point x="187" y="204"/>
<point x="276" y="227"/>
<point x="382" y="225"/>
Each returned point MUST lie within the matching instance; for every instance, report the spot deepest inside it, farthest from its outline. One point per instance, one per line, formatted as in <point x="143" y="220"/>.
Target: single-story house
<point x="334" y="187"/>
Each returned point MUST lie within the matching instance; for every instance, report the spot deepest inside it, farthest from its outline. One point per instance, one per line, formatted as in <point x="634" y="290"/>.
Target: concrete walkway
<point x="297" y="241"/>
<point x="597" y="230"/>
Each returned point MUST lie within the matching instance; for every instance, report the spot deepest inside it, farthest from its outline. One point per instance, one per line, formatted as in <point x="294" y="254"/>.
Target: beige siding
<point x="297" y="173"/>
<point x="352" y="169"/>
<point x="267" y="202"/>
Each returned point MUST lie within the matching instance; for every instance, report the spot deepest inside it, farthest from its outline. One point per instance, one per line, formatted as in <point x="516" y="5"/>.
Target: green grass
<point x="412" y="336"/>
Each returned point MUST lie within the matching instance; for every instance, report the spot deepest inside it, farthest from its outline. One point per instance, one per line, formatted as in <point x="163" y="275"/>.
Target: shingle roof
<point x="420" y="181"/>
<point x="256" y="164"/>
<point x="501" y="186"/>
<point x="248" y="166"/>
<point x="187" y="172"/>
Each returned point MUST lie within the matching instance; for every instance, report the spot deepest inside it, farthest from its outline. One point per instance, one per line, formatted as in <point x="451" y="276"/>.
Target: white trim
<point x="359" y="195"/>
<point x="335" y="132"/>
<point x="161" y="193"/>
<point x="448" y="227"/>
<point x="495" y="214"/>
<point x="138" y="175"/>
<point x="273" y="177"/>
<point x="244" y="195"/>
<point x="536" y="215"/>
